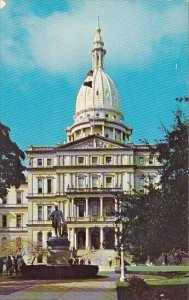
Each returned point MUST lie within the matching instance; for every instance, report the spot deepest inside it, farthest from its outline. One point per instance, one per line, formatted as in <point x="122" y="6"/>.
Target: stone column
<point x="87" y="207"/>
<point x="73" y="237"/>
<point x="116" y="237"/>
<point x="101" y="238"/>
<point x="132" y="181"/>
<point x="68" y="200"/>
<point x="116" y="205"/>
<point x="102" y="130"/>
<point x="101" y="208"/>
<point x="87" y="238"/>
<point x="69" y="234"/>
<point x="72" y="208"/>
<point x="113" y="133"/>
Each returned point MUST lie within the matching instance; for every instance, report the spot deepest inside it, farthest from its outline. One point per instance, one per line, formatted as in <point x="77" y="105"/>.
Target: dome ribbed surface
<point x="97" y="92"/>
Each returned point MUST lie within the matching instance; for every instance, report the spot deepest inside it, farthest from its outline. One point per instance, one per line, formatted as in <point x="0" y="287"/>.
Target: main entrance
<point x="95" y="238"/>
<point x="81" y="239"/>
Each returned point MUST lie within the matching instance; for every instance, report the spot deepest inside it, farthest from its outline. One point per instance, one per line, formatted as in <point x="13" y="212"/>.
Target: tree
<point x="11" y="169"/>
<point x="173" y="154"/>
<point x="158" y="219"/>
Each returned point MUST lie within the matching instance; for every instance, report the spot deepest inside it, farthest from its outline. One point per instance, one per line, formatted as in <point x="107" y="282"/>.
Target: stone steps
<point x="99" y="257"/>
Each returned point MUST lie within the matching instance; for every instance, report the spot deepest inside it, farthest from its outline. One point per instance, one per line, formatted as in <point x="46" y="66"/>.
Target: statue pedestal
<point x="58" y="248"/>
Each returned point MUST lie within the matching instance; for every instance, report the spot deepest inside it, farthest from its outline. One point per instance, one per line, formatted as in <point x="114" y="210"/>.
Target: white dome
<point x="98" y="109"/>
<point x="97" y="92"/>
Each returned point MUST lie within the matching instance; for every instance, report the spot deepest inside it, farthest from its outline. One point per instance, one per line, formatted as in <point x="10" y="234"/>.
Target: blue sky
<point x="45" y="56"/>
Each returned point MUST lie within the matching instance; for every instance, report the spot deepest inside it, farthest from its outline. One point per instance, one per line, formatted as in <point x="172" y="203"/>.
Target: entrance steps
<point x="99" y="257"/>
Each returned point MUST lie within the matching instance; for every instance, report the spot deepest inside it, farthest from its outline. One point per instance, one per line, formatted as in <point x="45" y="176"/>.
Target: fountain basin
<point x="59" y="271"/>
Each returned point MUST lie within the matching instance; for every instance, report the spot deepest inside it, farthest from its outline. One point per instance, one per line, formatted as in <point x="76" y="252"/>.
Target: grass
<point x="158" y="268"/>
<point x="159" y="281"/>
<point x="168" y="281"/>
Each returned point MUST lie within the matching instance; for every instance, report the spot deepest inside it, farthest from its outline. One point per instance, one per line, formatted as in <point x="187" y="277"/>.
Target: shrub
<point x="144" y="291"/>
<point x="137" y="283"/>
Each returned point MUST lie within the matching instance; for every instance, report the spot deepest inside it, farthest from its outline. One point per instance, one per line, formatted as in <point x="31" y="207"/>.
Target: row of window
<point x="40" y="186"/>
<point x="40" y="212"/>
<point x="98" y="115"/>
<point x="94" y="210"/>
<point x="141" y="160"/>
<point x="95" y="182"/>
<point x="19" y="196"/>
<point x="81" y="183"/>
<point x="94" y="160"/>
<point x="18" y="221"/>
<point x="41" y="162"/>
<point x="142" y="182"/>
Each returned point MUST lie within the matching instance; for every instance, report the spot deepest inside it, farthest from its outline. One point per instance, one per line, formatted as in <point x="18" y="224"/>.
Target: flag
<point x="88" y="83"/>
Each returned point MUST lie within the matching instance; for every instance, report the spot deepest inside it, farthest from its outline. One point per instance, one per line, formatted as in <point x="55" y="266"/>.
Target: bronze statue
<point x="56" y="217"/>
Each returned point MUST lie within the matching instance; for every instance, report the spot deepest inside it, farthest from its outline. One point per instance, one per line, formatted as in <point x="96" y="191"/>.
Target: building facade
<point x="13" y="220"/>
<point x="86" y="175"/>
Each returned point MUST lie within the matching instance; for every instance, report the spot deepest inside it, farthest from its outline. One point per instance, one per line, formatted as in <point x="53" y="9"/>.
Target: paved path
<point x="101" y="288"/>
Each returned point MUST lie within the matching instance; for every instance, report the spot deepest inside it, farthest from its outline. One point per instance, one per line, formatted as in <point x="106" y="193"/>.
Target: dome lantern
<point x="98" y="52"/>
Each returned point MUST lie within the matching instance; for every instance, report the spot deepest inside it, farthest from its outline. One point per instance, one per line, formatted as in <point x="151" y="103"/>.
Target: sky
<point x="45" y="53"/>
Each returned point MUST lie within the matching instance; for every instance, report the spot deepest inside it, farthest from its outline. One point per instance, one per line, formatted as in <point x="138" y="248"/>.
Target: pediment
<point x="93" y="143"/>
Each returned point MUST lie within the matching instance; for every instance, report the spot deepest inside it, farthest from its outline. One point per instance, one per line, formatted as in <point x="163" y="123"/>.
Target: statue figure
<point x="56" y="217"/>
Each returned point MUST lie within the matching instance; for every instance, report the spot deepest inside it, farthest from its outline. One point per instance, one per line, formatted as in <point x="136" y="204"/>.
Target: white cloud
<point x="132" y="32"/>
<point x="2" y="4"/>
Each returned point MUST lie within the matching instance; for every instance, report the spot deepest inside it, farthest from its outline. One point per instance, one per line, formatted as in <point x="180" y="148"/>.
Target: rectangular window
<point x="141" y="185"/>
<point x="108" y="182"/>
<point x="18" y="197"/>
<point x="49" y="210"/>
<point x="94" y="160"/>
<point x="49" y="161"/>
<point x="94" y="210"/>
<point x="95" y="182"/>
<point x="80" y="182"/>
<point x="4" y="220"/>
<point x="40" y="212"/>
<point x="80" y="160"/>
<point x="39" y="162"/>
<point x="108" y="159"/>
<point x="18" y="221"/>
<point x="141" y="160"/>
<point x="150" y="160"/>
<point x="40" y="185"/>
<point x="49" y="185"/>
<point x="81" y="210"/>
<point x="4" y="200"/>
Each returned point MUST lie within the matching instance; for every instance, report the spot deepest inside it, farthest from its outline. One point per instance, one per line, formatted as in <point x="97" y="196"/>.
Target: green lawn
<point x="168" y="281"/>
<point x="160" y="281"/>
<point x="158" y="268"/>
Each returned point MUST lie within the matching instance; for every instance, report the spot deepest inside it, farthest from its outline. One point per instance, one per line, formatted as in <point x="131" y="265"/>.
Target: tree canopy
<point x="11" y="168"/>
<point x="158" y="220"/>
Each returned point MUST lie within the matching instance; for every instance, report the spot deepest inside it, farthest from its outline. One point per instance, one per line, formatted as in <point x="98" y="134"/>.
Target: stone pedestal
<point x="59" y="252"/>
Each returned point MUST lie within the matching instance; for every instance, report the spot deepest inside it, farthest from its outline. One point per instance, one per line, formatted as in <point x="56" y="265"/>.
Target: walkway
<point x="101" y="288"/>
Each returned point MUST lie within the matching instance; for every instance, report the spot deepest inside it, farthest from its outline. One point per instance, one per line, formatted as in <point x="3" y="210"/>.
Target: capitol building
<point x="86" y="175"/>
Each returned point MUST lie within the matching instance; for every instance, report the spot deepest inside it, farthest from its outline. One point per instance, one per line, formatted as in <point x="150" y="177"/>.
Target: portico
<point x="89" y="237"/>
